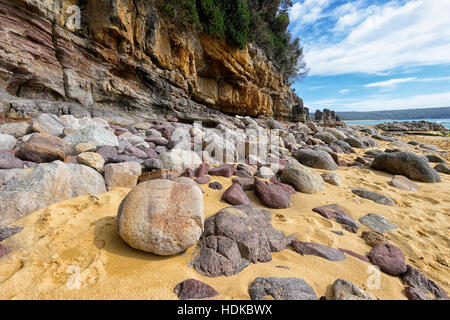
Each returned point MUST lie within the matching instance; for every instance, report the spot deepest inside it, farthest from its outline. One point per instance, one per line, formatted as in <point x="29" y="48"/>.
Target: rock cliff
<point x="122" y="59"/>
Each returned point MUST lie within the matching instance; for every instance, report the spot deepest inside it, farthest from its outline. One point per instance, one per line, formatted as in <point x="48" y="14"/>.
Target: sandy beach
<point x="79" y="237"/>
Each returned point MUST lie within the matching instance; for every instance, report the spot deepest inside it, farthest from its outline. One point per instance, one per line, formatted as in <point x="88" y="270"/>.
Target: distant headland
<point x="410" y="114"/>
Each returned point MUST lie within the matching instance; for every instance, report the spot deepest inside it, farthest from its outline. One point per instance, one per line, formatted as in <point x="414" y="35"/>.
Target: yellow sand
<point x="80" y="235"/>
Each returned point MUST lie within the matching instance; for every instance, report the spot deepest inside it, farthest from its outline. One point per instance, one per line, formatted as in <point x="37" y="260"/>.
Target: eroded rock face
<point x="162" y="217"/>
<point x="126" y="57"/>
<point x="235" y="237"/>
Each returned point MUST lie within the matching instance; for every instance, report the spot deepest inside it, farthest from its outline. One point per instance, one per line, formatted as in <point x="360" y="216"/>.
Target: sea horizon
<point x="445" y="122"/>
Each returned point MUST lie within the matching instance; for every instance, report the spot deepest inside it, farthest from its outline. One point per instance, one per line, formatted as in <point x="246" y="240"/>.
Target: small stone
<point x="265" y="173"/>
<point x="345" y="290"/>
<point x="247" y="184"/>
<point x="389" y="258"/>
<point x="377" y="223"/>
<point x="85" y="147"/>
<point x="434" y="159"/>
<point x="403" y="183"/>
<point x="375" y="197"/>
<point x="281" y="289"/>
<point x="9" y="231"/>
<point x="442" y="168"/>
<point x="373" y="238"/>
<point x="356" y="255"/>
<point x="235" y="195"/>
<point x="203" y="180"/>
<point x="122" y="175"/>
<point x="226" y="170"/>
<point x="423" y="287"/>
<point x="202" y="170"/>
<point x="331" y="178"/>
<point x="194" y="289"/>
<point x="91" y="159"/>
<point x="215" y="186"/>
<point x="316" y="249"/>
<point x="3" y="251"/>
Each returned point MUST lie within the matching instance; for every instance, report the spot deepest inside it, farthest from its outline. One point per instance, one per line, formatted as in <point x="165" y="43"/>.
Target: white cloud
<point x="389" y="83"/>
<point x="394" y="35"/>
<point x="394" y="82"/>
<point x="308" y="11"/>
<point x="385" y="103"/>
<point x="344" y="91"/>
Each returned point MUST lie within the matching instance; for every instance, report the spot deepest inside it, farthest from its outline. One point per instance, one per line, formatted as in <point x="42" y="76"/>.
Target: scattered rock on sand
<point x="194" y="289"/>
<point x="331" y="178"/>
<point x="272" y="195"/>
<point x="235" y="237"/>
<point x="3" y="251"/>
<point x="420" y="287"/>
<point x="235" y="195"/>
<point x="389" y="258"/>
<point x="345" y="290"/>
<point x="302" y="178"/>
<point x="434" y="158"/>
<point x="122" y="175"/>
<point x="355" y="255"/>
<point x="43" y="148"/>
<point x="373" y="238"/>
<point x="281" y="289"/>
<point x="216" y="185"/>
<point x="162" y="217"/>
<point x="375" y="197"/>
<point x="403" y="183"/>
<point x="9" y="231"/>
<point x="25" y="191"/>
<point x="226" y="170"/>
<point x="316" y="159"/>
<point x="377" y="223"/>
<point x="408" y="164"/>
<point x="317" y="249"/>
<point x="442" y="168"/>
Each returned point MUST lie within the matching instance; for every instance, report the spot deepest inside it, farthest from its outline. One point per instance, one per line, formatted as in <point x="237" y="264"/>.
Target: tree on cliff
<point x="263" y="22"/>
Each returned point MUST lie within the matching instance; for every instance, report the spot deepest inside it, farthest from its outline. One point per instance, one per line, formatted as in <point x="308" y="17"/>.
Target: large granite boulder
<point x="122" y="175"/>
<point x="407" y="164"/>
<point x="179" y="159"/>
<point x="162" y="217"/>
<point x="23" y="191"/>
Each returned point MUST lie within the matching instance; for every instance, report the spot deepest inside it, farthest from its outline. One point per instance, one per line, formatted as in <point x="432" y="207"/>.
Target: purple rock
<point x="227" y="170"/>
<point x="9" y="161"/>
<point x="272" y="195"/>
<point x="235" y="195"/>
<point x="389" y="258"/>
<point x="318" y="250"/>
<point x="194" y="289"/>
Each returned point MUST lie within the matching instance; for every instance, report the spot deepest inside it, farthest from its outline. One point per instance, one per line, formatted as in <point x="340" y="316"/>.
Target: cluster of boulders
<point x="165" y="162"/>
<point x="411" y="126"/>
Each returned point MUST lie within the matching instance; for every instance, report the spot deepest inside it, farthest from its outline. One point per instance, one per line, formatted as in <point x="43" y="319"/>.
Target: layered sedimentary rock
<point x="121" y="57"/>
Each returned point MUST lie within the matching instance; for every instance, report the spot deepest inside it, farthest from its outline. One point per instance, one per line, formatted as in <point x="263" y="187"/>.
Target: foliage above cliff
<point x="263" y="22"/>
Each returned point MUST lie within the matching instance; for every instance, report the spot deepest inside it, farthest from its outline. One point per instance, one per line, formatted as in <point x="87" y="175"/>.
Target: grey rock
<point x="375" y="197"/>
<point x="403" y="183"/>
<point x="9" y="231"/>
<point x="15" y="129"/>
<point x="179" y="159"/>
<point x="25" y="191"/>
<point x="345" y="290"/>
<point x="407" y="164"/>
<point x="99" y="136"/>
<point x="281" y="289"/>
<point x="377" y="223"/>
<point x="442" y="168"/>
<point x="7" y="142"/>
<point x="316" y="159"/>
<point x="331" y="178"/>
<point x="48" y="123"/>
<point x="355" y="143"/>
<point x="424" y="287"/>
<point x="317" y="249"/>
<point x="302" y="178"/>
<point x="434" y="158"/>
<point x="326" y="137"/>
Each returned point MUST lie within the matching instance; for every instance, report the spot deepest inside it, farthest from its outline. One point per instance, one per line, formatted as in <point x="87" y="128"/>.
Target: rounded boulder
<point x="162" y="217"/>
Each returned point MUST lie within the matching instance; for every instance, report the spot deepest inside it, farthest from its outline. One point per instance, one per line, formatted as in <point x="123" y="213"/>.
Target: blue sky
<point x="367" y="55"/>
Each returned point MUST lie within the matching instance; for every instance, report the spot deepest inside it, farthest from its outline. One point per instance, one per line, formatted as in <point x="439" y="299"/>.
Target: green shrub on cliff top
<point x="263" y="22"/>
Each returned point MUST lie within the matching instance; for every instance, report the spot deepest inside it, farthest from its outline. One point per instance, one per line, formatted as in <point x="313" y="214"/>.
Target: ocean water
<point x="444" y="122"/>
